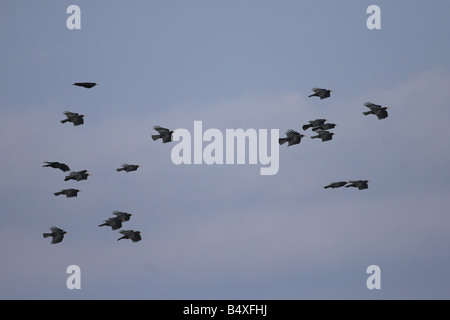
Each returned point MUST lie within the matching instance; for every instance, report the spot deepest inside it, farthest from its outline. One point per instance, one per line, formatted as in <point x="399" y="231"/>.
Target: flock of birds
<point x="319" y="126"/>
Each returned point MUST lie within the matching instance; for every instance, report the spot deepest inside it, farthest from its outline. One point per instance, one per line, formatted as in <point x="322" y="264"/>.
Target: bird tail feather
<point x="282" y="140"/>
<point x="58" y="193"/>
<point x="46" y="235"/>
<point x="120" y="169"/>
<point x="64" y="121"/>
<point x="155" y="137"/>
<point x="306" y="126"/>
<point x="367" y="112"/>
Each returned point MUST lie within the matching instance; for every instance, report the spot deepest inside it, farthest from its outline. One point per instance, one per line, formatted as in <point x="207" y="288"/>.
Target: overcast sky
<point x="225" y="231"/>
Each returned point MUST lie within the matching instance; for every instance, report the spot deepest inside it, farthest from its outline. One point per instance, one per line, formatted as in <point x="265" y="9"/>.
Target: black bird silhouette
<point x="115" y="223"/>
<point x="321" y="93"/>
<point x="377" y="110"/>
<point x="57" y="165"/>
<point x="314" y="123"/>
<point x="128" y="167"/>
<point x="57" y="235"/>
<point x="70" y="193"/>
<point x="77" y="175"/>
<point x="324" y="135"/>
<point x="86" y="85"/>
<point x="325" y="126"/>
<point x="122" y="215"/>
<point x="134" y="236"/>
<point x="293" y="137"/>
<point x="164" y="133"/>
<point x="75" y="118"/>
<point x="337" y="184"/>
<point x="360" y="184"/>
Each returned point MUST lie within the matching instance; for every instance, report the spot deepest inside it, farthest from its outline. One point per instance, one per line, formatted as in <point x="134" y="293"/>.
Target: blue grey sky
<point x="225" y="231"/>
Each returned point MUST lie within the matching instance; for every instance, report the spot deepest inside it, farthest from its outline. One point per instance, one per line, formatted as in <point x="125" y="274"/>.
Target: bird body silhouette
<point x="122" y="215"/>
<point x="134" y="236"/>
<point x="321" y="93"/>
<point x="86" y="85"/>
<point x="314" y="123"/>
<point x="77" y="175"/>
<point x="57" y="235"/>
<point x="164" y="134"/>
<point x="128" y="167"/>
<point x="75" y="118"/>
<point x="293" y="137"/>
<point x="115" y="223"/>
<point x="377" y="110"/>
<point x="57" y="165"/>
<point x="324" y="135"/>
<point x="69" y="193"/>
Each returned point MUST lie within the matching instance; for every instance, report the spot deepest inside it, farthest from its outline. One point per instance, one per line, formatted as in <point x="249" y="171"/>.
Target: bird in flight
<point x="57" y="165"/>
<point x="377" y="110"/>
<point x="114" y="222"/>
<point x="314" y="123"/>
<point x="134" y="236"/>
<point x="57" y="234"/>
<point x="293" y="137"/>
<point x="164" y="133"/>
<point x="321" y="93"/>
<point x="86" y="85"/>
<point x="122" y="215"/>
<point x="324" y="135"/>
<point x="77" y="175"/>
<point x="75" y="118"/>
<point x="69" y="193"/>
<point x="360" y="184"/>
<point x="128" y="167"/>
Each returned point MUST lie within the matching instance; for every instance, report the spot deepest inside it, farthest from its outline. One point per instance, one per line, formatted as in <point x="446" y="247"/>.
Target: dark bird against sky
<point x="314" y="123"/>
<point x="324" y="135"/>
<point x="134" y="236"/>
<point x="128" y="167"/>
<point x="57" y="235"/>
<point x="115" y="223"/>
<point x="86" y="85"/>
<point x="75" y="118"/>
<point x="377" y="110"/>
<point x="57" y="165"/>
<point x="164" y="133"/>
<point x="77" y="175"/>
<point x="293" y="137"/>
<point x="69" y="193"/>
<point x="321" y="93"/>
<point x="122" y="215"/>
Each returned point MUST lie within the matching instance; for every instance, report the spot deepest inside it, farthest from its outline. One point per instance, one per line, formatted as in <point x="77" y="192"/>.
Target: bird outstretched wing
<point x="161" y="130"/>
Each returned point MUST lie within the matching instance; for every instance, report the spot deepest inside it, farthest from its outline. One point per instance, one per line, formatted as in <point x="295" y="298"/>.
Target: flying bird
<point x="57" y="165"/>
<point x="86" y="85"/>
<point x="325" y="126"/>
<point x="321" y="93"/>
<point x="128" y="167"/>
<point x="377" y="110"/>
<point x="115" y="223"/>
<point x="324" y="135"/>
<point x="122" y="215"/>
<point x="134" y="236"/>
<point x="360" y="184"/>
<point x="57" y="235"/>
<point x="335" y="185"/>
<point x="293" y="137"/>
<point x="75" y="118"/>
<point x="77" y="175"/>
<point x="314" y="123"/>
<point x="164" y="133"/>
<point x="69" y="193"/>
